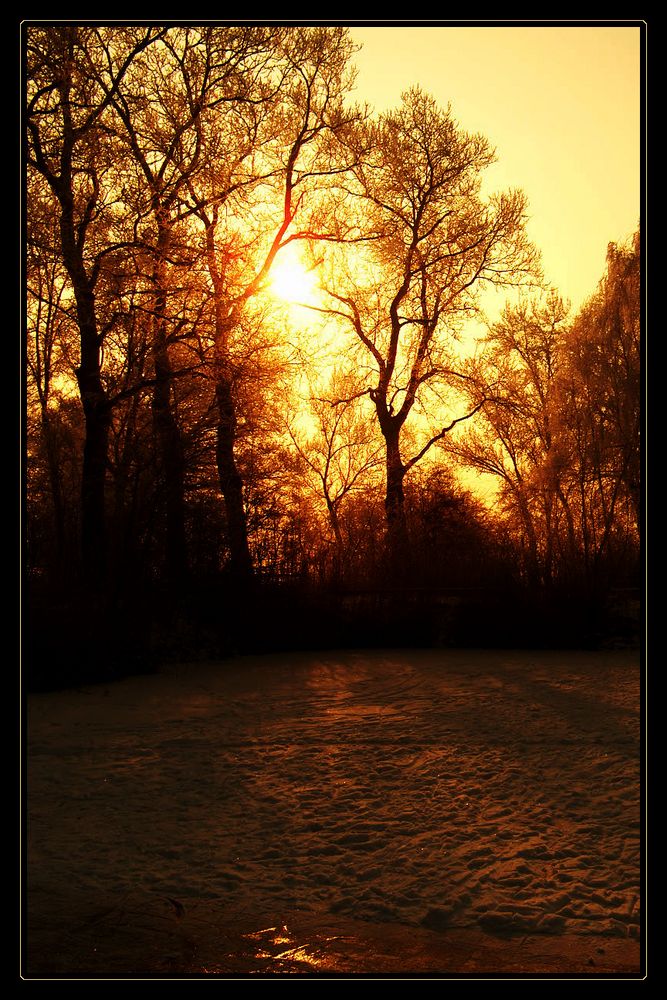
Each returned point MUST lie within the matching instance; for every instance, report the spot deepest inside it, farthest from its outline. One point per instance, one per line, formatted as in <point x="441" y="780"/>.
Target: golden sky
<point x="562" y="107"/>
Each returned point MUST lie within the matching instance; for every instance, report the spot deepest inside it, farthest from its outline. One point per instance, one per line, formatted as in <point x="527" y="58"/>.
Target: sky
<point x="562" y="107"/>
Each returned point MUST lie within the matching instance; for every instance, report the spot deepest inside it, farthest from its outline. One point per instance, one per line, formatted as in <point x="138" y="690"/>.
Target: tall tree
<point x="163" y="109"/>
<point x="601" y="391"/>
<point x="560" y="427"/>
<point x="518" y="437"/>
<point x="49" y="330"/>
<point x="433" y="243"/>
<point x="69" y="147"/>
<point x="277" y="147"/>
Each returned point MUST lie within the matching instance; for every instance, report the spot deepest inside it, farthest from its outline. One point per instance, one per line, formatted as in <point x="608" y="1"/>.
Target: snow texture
<point x="497" y="791"/>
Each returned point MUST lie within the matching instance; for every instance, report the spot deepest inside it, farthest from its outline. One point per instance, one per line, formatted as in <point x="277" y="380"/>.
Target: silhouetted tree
<point x="337" y="452"/>
<point x="433" y="243"/>
<point x="51" y="332"/>
<point x="601" y="399"/>
<point x="518" y="436"/>
<point x="164" y="109"/>
<point x="560" y="427"/>
<point x="69" y="147"/>
<point x="275" y="152"/>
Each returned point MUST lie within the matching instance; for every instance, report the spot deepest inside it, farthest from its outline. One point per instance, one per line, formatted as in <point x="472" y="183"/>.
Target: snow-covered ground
<point x="446" y="791"/>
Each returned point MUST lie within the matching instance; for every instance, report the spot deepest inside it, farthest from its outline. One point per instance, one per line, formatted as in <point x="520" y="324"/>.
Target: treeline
<point x="206" y="472"/>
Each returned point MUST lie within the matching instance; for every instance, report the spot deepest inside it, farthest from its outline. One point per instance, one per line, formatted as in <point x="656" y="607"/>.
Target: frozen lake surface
<point x="435" y="794"/>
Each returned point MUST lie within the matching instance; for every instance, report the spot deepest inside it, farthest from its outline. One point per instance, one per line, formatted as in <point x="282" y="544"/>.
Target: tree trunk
<point x="397" y="531"/>
<point x="334" y="521"/>
<point x="338" y="551"/>
<point x="231" y="483"/>
<point x="532" y="564"/>
<point x="97" y="417"/>
<point x="53" y="463"/>
<point x="166" y="427"/>
<point x="93" y="506"/>
<point x="171" y="464"/>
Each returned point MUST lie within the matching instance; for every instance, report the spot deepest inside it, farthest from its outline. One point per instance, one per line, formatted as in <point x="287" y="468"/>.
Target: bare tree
<point x="51" y="334"/>
<point x="601" y="399"/>
<point x="163" y="111"/>
<point x="433" y="242"/>
<point x="280" y="145"/>
<point x="560" y="427"/>
<point x="337" y="453"/>
<point x="69" y="147"/>
<point x="518" y="437"/>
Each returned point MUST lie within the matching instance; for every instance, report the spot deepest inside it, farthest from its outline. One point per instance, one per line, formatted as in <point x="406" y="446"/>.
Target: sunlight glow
<point x="291" y="278"/>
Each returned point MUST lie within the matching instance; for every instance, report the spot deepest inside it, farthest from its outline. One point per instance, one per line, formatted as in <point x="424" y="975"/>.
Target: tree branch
<point x="441" y="434"/>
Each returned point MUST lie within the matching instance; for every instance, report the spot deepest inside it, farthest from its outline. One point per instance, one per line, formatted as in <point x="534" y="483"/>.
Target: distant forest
<point x="210" y="469"/>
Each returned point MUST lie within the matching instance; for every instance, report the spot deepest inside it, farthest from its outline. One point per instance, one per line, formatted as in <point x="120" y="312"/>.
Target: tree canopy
<point x="185" y="423"/>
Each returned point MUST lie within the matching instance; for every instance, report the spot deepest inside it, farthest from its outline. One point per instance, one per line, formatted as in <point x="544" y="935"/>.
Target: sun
<point x="292" y="280"/>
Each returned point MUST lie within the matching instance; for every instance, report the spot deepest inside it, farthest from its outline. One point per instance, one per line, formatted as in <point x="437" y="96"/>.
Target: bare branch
<point x="441" y="434"/>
